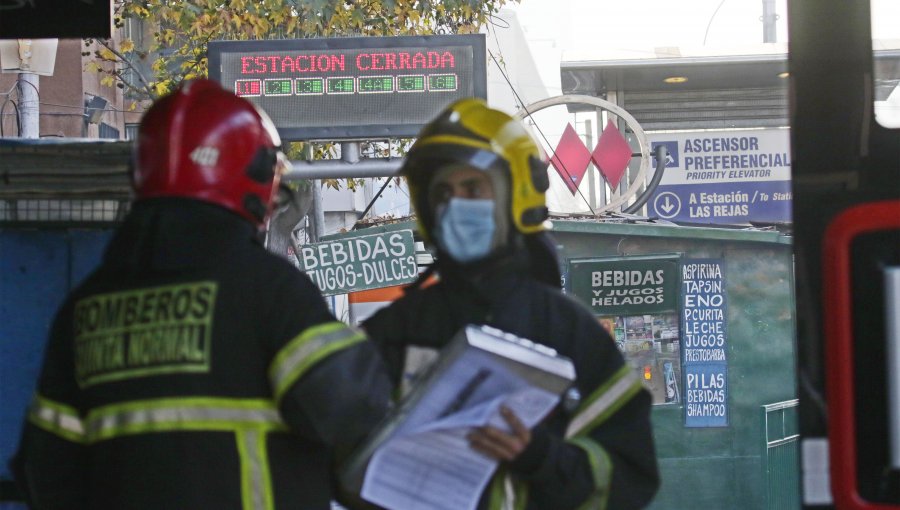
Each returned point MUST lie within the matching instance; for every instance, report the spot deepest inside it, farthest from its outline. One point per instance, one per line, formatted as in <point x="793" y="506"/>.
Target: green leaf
<point x="126" y="46"/>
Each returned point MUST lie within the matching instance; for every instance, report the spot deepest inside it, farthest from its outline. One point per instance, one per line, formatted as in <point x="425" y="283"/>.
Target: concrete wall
<point x="39" y="268"/>
<point x="722" y="467"/>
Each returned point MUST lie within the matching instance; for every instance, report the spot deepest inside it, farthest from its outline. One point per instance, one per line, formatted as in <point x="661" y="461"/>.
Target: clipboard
<point x="480" y="368"/>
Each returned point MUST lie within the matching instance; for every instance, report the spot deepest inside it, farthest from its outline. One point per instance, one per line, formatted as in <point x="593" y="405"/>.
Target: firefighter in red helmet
<point x="208" y="144"/>
<point x="193" y="369"/>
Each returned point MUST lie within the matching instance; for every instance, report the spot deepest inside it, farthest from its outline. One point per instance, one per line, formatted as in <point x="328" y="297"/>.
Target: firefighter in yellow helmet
<point x="477" y="181"/>
<point x="492" y="144"/>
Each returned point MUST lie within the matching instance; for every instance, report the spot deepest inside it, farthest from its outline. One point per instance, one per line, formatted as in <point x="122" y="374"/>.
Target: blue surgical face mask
<point x="465" y="228"/>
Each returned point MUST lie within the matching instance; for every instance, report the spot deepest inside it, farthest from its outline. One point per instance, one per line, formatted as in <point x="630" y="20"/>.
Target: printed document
<point x="427" y="464"/>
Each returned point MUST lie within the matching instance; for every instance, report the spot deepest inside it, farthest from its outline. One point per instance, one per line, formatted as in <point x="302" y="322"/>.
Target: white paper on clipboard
<point x="421" y="460"/>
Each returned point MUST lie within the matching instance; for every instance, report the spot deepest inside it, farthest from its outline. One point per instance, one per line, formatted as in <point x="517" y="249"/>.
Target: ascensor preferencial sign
<point x="724" y="177"/>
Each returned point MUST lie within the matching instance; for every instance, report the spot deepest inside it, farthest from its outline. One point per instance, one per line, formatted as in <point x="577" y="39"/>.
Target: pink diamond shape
<point x="612" y="154"/>
<point x="571" y="158"/>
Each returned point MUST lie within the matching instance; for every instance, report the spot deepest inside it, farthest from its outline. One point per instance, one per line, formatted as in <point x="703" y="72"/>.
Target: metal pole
<point x="350" y="156"/>
<point x="340" y="169"/>
<point x="604" y="188"/>
<point x="769" y="18"/>
<point x="27" y="88"/>
<point x="589" y="142"/>
<point x="350" y="152"/>
<point x="613" y="97"/>
<point x="317" y="214"/>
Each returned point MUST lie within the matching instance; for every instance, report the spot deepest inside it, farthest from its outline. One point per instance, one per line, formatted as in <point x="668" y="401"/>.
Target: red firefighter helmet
<point x="205" y="143"/>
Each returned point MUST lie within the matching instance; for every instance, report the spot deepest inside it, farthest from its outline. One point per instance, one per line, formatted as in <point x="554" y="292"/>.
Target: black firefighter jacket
<point x="599" y="455"/>
<point x="193" y="370"/>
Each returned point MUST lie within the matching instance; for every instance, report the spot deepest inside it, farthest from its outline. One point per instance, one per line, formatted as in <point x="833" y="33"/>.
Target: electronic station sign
<point x="352" y="87"/>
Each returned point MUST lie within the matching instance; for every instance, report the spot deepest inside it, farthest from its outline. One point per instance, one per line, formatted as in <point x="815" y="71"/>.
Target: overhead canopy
<point x="702" y="73"/>
<point x="89" y="168"/>
<point x="744" y="89"/>
<point x="70" y="168"/>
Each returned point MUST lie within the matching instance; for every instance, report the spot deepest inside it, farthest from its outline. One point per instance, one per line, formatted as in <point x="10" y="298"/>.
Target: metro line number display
<point x="353" y="87"/>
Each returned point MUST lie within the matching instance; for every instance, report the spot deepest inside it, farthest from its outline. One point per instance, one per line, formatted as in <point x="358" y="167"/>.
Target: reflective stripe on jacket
<point x="508" y="494"/>
<point x="249" y="419"/>
<point x="194" y="369"/>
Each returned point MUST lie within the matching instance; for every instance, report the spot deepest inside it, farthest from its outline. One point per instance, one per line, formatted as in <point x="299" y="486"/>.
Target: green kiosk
<point x="706" y="317"/>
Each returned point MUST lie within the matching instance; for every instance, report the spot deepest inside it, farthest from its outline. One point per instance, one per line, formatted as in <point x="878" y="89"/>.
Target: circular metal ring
<point x="630" y="121"/>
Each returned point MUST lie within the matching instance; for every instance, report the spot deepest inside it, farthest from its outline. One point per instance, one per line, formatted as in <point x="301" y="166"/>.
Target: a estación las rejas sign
<point x="724" y="177"/>
<point x="359" y="263"/>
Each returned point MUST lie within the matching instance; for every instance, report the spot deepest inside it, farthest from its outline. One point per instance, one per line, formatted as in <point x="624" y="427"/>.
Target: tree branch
<point x="136" y="90"/>
<point x="140" y="75"/>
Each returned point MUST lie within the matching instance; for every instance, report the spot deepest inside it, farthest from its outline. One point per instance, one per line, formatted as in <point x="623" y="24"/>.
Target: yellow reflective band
<point x="256" y="481"/>
<point x="56" y="418"/>
<point x="521" y="495"/>
<point x="311" y="346"/>
<point x="506" y="493"/>
<point x="601" y="469"/>
<point x="182" y="414"/>
<point x="455" y="140"/>
<point x="516" y="493"/>
<point x="249" y="419"/>
<point x="498" y="490"/>
<point x="608" y="398"/>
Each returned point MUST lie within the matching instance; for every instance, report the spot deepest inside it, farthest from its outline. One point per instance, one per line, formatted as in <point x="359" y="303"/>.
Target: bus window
<point x="886" y="70"/>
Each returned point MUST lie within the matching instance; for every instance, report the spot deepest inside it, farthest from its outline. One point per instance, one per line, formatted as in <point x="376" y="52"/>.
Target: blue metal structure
<point x="38" y="267"/>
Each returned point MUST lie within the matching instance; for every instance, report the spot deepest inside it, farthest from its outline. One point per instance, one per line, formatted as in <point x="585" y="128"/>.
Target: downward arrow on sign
<point x="667" y="206"/>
